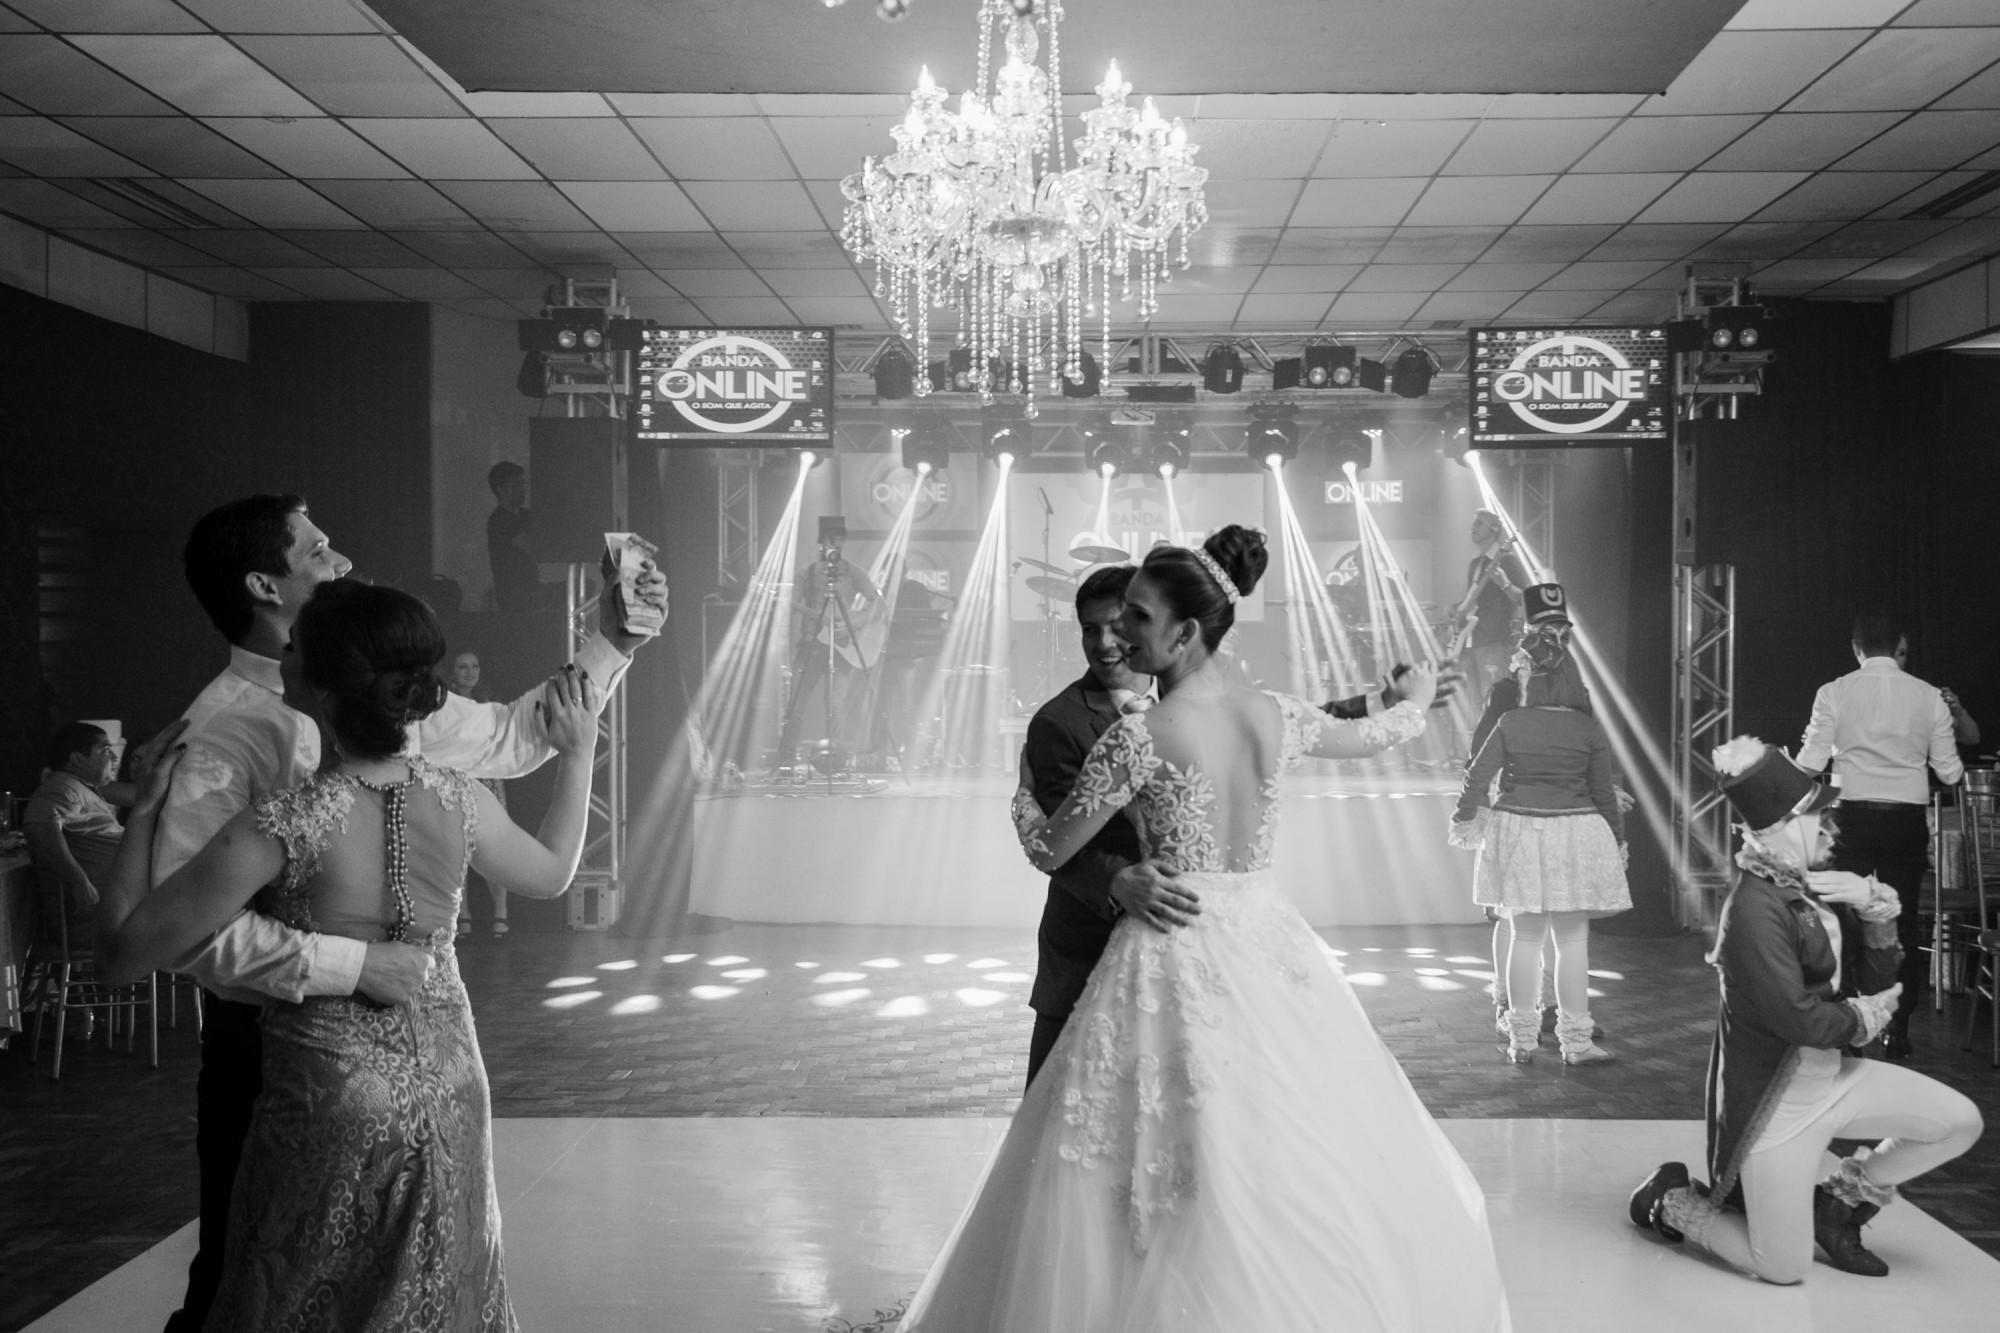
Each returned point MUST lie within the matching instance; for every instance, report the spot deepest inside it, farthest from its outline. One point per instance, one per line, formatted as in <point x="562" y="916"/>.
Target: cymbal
<point x="1098" y="555"/>
<point x="1049" y="587"/>
<point x="1042" y="565"/>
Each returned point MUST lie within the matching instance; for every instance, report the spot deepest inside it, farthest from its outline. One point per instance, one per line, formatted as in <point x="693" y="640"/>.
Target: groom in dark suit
<point x="1108" y="878"/>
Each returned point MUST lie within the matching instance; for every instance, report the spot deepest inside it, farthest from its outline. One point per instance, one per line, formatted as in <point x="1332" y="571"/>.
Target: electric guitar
<point x="1465" y="616"/>
<point x="863" y="648"/>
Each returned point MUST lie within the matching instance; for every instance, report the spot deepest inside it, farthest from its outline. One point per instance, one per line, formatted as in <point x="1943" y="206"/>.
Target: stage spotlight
<point x="954" y="373"/>
<point x="1222" y="369"/>
<point x="1273" y="433"/>
<point x="1328" y="366"/>
<point x="1171" y="445"/>
<point x="1105" y="449"/>
<point x="1287" y="373"/>
<point x="1738" y="328"/>
<point x="1412" y="375"/>
<point x="1005" y="433"/>
<point x="1086" y="386"/>
<point x="927" y="444"/>
<point x="895" y="378"/>
<point x="1350" y="446"/>
<point x="1371" y="375"/>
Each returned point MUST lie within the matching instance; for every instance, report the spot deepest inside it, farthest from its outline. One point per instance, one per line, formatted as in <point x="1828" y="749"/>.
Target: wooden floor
<point x="913" y="1024"/>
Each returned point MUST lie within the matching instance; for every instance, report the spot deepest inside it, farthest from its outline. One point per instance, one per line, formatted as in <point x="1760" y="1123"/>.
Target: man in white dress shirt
<point x="252" y="564"/>
<point x="1882" y="728"/>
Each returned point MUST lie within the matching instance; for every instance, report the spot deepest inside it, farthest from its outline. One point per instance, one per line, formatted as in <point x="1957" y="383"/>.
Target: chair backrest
<point x="51" y="904"/>
<point x="1982" y="846"/>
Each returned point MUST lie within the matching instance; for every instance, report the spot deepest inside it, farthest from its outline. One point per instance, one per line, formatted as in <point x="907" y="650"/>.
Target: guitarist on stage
<point x="822" y="590"/>
<point x="1492" y="603"/>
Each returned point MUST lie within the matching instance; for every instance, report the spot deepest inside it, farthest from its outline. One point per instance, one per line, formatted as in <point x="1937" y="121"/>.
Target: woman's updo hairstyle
<point x="1560" y="685"/>
<point x="1192" y="593"/>
<point x="373" y="652"/>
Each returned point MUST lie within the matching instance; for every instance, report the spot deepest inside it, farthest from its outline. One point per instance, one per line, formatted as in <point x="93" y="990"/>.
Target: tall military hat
<point x="1545" y="604"/>
<point x="1763" y="786"/>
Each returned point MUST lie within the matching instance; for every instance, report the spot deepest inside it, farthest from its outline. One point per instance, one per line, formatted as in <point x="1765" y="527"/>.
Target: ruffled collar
<point x="1761" y="861"/>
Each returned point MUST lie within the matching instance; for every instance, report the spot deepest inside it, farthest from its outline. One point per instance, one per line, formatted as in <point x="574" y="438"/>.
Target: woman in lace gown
<point x="1219" y="1140"/>
<point x="365" y="1197"/>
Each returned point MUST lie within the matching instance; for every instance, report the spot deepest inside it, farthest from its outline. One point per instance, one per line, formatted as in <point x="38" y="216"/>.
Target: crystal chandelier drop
<point x="981" y="211"/>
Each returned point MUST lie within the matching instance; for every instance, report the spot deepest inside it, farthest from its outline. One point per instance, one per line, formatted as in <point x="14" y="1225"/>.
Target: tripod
<point x="832" y="610"/>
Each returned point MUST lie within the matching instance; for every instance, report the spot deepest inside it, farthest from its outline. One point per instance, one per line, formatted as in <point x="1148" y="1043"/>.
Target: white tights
<point x="1527" y="933"/>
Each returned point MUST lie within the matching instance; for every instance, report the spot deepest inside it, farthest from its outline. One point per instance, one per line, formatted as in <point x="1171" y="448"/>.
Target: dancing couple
<point x="1216" y="1139"/>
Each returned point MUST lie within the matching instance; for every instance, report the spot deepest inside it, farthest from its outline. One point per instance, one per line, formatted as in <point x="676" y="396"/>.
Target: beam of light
<point x="1175" y="533"/>
<point x="741" y="693"/>
<point x="636" y="1004"/>
<point x="1103" y="525"/>
<point x="886" y="573"/>
<point x="1324" y="661"/>
<point x="964" y="700"/>
<point x="1649" y="774"/>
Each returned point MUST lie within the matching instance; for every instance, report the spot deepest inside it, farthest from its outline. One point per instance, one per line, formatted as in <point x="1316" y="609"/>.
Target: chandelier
<point x="980" y="210"/>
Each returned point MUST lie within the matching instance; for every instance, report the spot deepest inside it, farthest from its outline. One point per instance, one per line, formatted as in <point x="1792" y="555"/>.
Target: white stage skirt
<point x="1361" y="851"/>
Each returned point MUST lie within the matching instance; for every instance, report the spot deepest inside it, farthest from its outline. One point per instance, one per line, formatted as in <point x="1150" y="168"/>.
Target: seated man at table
<point x="72" y="819"/>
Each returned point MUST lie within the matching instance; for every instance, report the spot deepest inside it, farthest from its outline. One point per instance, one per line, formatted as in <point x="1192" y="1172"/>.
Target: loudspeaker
<point x="576" y="484"/>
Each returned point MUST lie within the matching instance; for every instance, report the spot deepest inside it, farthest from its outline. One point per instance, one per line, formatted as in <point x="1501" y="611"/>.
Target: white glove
<point x="1470" y="834"/>
<point x="1874" y="1011"/>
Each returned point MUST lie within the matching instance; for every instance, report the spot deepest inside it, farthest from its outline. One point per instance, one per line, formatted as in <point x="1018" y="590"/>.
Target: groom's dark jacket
<point x="1079" y="914"/>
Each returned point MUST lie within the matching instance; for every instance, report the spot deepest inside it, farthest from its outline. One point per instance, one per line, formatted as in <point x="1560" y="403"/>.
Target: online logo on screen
<point x="733" y="384"/>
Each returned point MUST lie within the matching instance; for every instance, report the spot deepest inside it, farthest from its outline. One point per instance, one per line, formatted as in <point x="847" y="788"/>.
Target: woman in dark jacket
<point x="1551" y="849"/>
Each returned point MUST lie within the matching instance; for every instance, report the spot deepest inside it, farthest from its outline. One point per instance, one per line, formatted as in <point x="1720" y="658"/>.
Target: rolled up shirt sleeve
<point x="509" y="740"/>
<point x="254" y="958"/>
<point x="1944" y="746"/>
<point x="1816" y="747"/>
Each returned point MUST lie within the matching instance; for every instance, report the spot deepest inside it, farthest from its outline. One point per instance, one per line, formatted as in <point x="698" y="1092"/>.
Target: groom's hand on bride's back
<point x="1155" y="896"/>
<point x="392" y="972"/>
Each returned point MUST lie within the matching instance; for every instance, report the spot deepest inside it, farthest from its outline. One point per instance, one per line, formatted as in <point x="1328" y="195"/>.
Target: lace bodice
<point x="341" y="851"/>
<point x="1172" y="796"/>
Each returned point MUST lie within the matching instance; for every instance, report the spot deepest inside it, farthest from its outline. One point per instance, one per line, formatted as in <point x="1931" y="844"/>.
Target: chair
<point x="1972" y="932"/>
<point x="61" y="976"/>
<point x="1949" y="899"/>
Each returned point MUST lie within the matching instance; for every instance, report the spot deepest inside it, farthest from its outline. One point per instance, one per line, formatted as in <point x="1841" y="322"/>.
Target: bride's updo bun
<point x="373" y="652"/>
<point x="1191" y="591"/>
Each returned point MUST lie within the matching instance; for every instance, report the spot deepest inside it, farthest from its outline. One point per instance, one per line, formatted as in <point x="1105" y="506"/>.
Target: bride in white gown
<point x="1219" y="1140"/>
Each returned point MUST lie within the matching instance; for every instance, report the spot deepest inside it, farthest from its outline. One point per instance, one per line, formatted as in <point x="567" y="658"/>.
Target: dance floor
<point x="741" y="1225"/>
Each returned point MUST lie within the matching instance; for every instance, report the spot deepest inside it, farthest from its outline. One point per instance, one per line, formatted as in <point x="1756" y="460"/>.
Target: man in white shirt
<point x="252" y="564"/>
<point x="1882" y="728"/>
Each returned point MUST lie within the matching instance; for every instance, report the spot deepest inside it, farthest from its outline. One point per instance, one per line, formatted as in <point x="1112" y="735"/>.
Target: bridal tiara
<point x="1208" y="562"/>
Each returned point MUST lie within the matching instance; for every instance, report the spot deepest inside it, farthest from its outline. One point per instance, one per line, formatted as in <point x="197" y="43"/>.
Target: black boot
<point x="1646" y="1200"/>
<point x="1837" y="1228"/>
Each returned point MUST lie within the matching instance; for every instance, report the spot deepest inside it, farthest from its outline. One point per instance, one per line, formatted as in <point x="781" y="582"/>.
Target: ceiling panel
<point x="1481" y="305"/>
<point x="1364" y="148"/>
<point x="692" y="249"/>
<point x="1403" y="277"/>
<point x="276" y="204"/>
<point x="47" y="148"/>
<point x="1602" y="275"/>
<point x="1438" y="245"/>
<point x="1476" y="199"/>
<point x="1805" y="274"/>
<point x="510" y="283"/>
<point x="1720" y="196"/>
<point x="446" y="149"/>
<point x="740" y="205"/>
<point x="1817" y="13"/>
<point x="790" y="249"/>
<point x="1876" y="239"/>
<point x="56" y="79"/>
<point x="203" y="76"/>
<point x="570" y="247"/>
<point x="313" y="146"/>
<point x="1607" y="198"/>
<point x="418" y="284"/>
<point x="1549" y="304"/>
<point x="1212" y="281"/>
<point x="1267" y="310"/>
<point x="701" y="283"/>
<point x="1525" y="147"/>
<point x="1945" y="14"/>
<point x="1661" y="241"/>
<point x="1554" y="244"/>
<point x="1903" y="69"/>
<point x="395" y="205"/>
<point x="354" y="76"/>
<point x="683" y="104"/>
<point x="1799" y="142"/>
<point x="262" y="16"/>
<point x="1201" y="311"/>
<point x="252" y="249"/>
<point x="1252" y="203"/>
<point x="1664" y="143"/>
<point x="463" y="249"/>
<point x="1752" y="71"/>
<point x="747" y="310"/>
<point x="580" y="149"/>
<point x="326" y="284"/>
<point x="514" y="206"/>
<point x="1503" y="277"/>
<point x="632" y="205"/>
<point x="1296" y="278"/>
<point x="1375" y="307"/>
<point x="1981" y="91"/>
<point x="1356" y="203"/>
<point x="791" y="282"/>
<point x="830" y="147"/>
<point x="1929" y="139"/>
<point x="240" y="283"/>
<point x="716" y="147"/>
<point x="46" y="205"/>
<point x="110" y="15"/>
<point x="147" y="248"/>
<point x="357" y="249"/>
<point x="1844" y="194"/>
<point x="1257" y="149"/>
<point x="172" y="145"/>
<point x="860" y="311"/>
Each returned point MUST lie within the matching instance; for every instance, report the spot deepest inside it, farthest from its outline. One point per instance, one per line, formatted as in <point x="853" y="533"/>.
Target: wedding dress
<point x="1219" y="1140"/>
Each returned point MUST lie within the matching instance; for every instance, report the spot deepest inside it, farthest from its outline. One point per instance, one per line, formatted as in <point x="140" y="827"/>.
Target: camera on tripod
<point x="832" y="536"/>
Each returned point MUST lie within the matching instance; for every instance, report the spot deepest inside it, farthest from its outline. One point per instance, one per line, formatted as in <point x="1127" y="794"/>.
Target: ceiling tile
<point x="1292" y="278"/>
<point x="314" y="146"/>
<point x="46" y="148"/>
<point x="1664" y="143"/>
<point x="1526" y="147"/>
<point x="1415" y="106"/>
<point x="511" y="206"/>
<point x="1562" y="106"/>
<point x="580" y="149"/>
<point x="1608" y="198"/>
<point x="716" y="147"/>
<point x="1284" y="310"/>
<point x="421" y="284"/>
<point x="1329" y="245"/>
<point x="1375" y="307"/>
<point x="275" y="203"/>
<point x="1979" y="91"/>
<point x="1720" y="196"/>
<point x="1365" y="148"/>
<point x="789" y="249"/>
<point x="1636" y="305"/>
<point x="1751" y="71"/>
<point x="632" y="205"/>
<point x="1979" y="236"/>
<point x="830" y="147"/>
<point x="1763" y="240"/>
<point x="701" y="283"/>
<point x="1929" y="139"/>
<point x="1816" y="13"/>
<point x="1551" y="244"/>
<point x="1902" y="69"/>
<point x="1356" y="203"/>
<point x="538" y="105"/>
<point x="1546" y="304"/>
<point x="446" y="149"/>
<point x="463" y="249"/>
<point x="667" y="311"/>
<point x="137" y="245"/>
<point x="1802" y="141"/>
<point x="1659" y="241"/>
<point x="1256" y="149"/>
<point x="1468" y="305"/>
<point x="1272" y="106"/>
<point x="172" y="145"/>
<point x="856" y="310"/>
<point x="326" y="284"/>
<point x="1211" y="311"/>
<point x="1502" y="277"/>
<point x="888" y="106"/>
<point x="1946" y="14"/>
<point x="1215" y="246"/>
<point x="357" y="249"/>
<point x="1601" y="275"/>
<point x="516" y="283"/>
<point x="1437" y="245"/>
<point x="282" y="15"/>
<point x="203" y="76"/>
<point x="1245" y="203"/>
<point x="239" y="283"/>
<point x="252" y="248"/>
<point x="1894" y="270"/>
<point x="1843" y="194"/>
<point x="12" y="22"/>
<point x="692" y="249"/>
<point x="683" y="104"/>
<point x="747" y="310"/>
<point x="767" y="205"/>
<point x="1403" y="277"/>
<point x="46" y="205"/>
<point x="557" y="248"/>
<point x="1874" y="239"/>
<point x="353" y="75"/>
<point x="9" y="107"/>
<point x="1804" y="274"/>
<point x="1476" y="200"/>
<point x="56" y="79"/>
<point x="790" y="282"/>
<point x="396" y="204"/>
<point x="110" y="15"/>
<point x="828" y="199"/>
<point x="1213" y="281"/>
